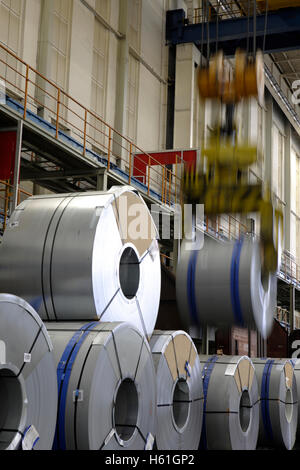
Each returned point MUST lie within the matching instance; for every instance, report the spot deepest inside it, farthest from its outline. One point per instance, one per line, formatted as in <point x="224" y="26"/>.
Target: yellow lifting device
<point x="220" y="180"/>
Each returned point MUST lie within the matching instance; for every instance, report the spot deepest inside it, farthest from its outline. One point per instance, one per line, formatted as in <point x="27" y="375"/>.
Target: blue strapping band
<point x="293" y="361"/>
<point x="191" y="291"/>
<point x="208" y="368"/>
<point x="186" y="368"/>
<point x="64" y="370"/>
<point x="265" y="410"/>
<point x="37" y="439"/>
<point x="24" y="434"/>
<point x="234" y="283"/>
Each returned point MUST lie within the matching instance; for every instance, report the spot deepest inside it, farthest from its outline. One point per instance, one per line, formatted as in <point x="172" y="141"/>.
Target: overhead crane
<point x="220" y="179"/>
<point x="280" y="29"/>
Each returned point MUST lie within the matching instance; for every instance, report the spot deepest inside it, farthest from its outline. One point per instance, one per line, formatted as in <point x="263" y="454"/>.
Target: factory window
<point x="132" y="103"/>
<point x="61" y="21"/>
<point x="11" y="16"/>
<point x="61" y="46"/>
<point x="278" y="162"/>
<point x="99" y="81"/>
<point x="260" y="139"/>
<point x="198" y="123"/>
<point x="10" y="20"/>
<point x="134" y="23"/>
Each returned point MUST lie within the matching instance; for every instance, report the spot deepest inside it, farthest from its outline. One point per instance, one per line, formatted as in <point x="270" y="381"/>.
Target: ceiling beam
<point x="282" y="32"/>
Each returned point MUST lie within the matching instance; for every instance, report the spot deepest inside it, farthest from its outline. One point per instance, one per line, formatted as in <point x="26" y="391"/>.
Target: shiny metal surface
<point x="207" y="295"/>
<point x="179" y="390"/>
<point x="63" y="254"/>
<point x="231" y="409"/>
<point x="278" y="392"/>
<point x="114" y="376"/>
<point x="28" y="384"/>
<point x="296" y="363"/>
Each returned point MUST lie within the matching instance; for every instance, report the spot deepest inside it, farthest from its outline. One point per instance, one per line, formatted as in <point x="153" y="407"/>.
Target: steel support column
<point x="204" y="340"/>
<point x="14" y="198"/>
<point x="102" y="180"/>
<point x="249" y="341"/>
<point x="292" y="307"/>
<point x="287" y="187"/>
<point x="268" y="141"/>
<point x="186" y="57"/>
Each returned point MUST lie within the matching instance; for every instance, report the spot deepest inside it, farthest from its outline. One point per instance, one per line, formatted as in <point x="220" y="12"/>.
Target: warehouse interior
<point x="163" y="104"/>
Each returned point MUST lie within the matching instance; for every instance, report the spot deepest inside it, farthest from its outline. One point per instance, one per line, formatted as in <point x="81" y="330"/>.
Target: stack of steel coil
<point x="28" y="385"/>
<point x="231" y="403"/>
<point x="179" y="390"/>
<point x="95" y="375"/>
<point x="296" y="364"/>
<point x="79" y="258"/>
<point x="106" y="386"/>
<point x="279" y="402"/>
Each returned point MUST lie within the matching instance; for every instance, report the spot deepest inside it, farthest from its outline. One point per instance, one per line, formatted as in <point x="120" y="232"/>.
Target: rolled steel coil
<point x="279" y="402"/>
<point x="222" y="284"/>
<point x="106" y="387"/>
<point x="84" y="256"/>
<point x="179" y="390"/>
<point x="231" y="403"/>
<point x="296" y="364"/>
<point x="28" y="385"/>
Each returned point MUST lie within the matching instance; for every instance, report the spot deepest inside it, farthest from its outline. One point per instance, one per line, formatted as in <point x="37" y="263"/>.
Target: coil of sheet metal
<point x="279" y="402"/>
<point x="106" y="387"/>
<point x="85" y="256"/>
<point x="222" y="284"/>
<point x="179" y="390"/>
<point x="231" y="403"/>
<point x="28" y="385"/>
<point x="296" y="364"/>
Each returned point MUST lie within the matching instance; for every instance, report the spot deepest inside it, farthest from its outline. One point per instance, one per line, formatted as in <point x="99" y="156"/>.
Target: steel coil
<point x="231" y="403"/>
<point x="78" y="257"/>
<point x="296" y="364"/>
<point x="28" y="385"/>
<point x="106" y="387"/>
<point x="179" y="390"/>
<point x="279" y="402"/>
<point x="222" y="284"/>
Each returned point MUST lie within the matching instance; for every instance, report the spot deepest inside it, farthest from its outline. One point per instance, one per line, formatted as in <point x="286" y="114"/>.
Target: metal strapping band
<point x="265" y="410"/>
<point x="64" y="370"/>
<point x="207" y="369"/>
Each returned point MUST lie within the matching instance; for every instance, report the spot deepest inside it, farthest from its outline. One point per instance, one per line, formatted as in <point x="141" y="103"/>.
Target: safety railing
<point x="290" y="270"/>
<point x="225" y="227"/>
<point x="5" y="199"/>
<point x="282" y="314"/>
<point x="214" y="10"/>
<point x="66" y="118"/>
